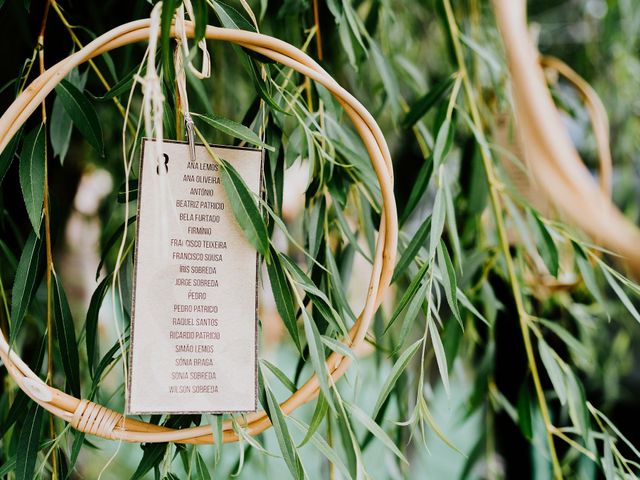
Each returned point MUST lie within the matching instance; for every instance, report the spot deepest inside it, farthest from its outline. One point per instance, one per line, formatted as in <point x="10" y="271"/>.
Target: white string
<point x="181" y="38"/>
<point x="153" y="100"/>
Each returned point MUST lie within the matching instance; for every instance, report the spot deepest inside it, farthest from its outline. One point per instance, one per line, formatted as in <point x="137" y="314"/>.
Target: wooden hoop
<point x="551" y="156"/>
<point x="98" y="420"/>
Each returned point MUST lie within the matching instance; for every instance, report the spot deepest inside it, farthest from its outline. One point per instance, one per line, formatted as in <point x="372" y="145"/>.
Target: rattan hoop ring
<point x="98" y="420"/>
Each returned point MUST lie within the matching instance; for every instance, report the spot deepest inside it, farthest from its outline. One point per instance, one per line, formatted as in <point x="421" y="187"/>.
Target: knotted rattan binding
<point x="98" y="420"/>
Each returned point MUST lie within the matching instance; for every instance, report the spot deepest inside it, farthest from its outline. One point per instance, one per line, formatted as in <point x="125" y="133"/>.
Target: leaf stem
<point x="316" y="21"/>
<point x="504" y="242"/>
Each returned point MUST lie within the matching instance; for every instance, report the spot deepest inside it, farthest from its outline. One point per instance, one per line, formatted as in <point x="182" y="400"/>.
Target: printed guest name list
<point x="193" y="341"/>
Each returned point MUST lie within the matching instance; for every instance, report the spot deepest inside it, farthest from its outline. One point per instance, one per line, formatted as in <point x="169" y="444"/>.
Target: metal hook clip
<point x="189" y="125"/>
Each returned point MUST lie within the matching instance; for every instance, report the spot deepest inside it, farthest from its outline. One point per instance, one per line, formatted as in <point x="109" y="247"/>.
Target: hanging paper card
<point x="193" y="328"/>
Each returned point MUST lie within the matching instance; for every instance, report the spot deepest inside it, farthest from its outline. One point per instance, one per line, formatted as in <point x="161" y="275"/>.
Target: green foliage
<point x="32" y="168"/>
<point x="499" y="313"/>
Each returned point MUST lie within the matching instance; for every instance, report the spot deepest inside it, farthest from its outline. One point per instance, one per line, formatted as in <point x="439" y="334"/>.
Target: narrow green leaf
<point x="230" y="17"/>
<point x="572" y="342"/>
<point x="620" y="293"/>
<point x="30" y="266"/>
<point x="286" y="443"/>
<point x="374" y="428"/>
<point x="588" y="275"/>
<point x="82" y="113"/>
<point x="235" y="129"/>
<point x="411" y="251"/>
<point x="61" y="123"/>
<point x="338" y="289"/>
<point x="318" y="417"/>
<point x="437" y="222"/>
<point x="91" y="323"/>
<point x="577" y="405"/>
<point x="524" y="411"/>
<point x="441" y="145"/>
<point x="166" y="18"/>
<point x="244" y="208"/>
<point x="31" y="170"/>
<point x="283" y="297"/>
<point x="201" y="11"/>
<point x="8" y="154"/>
<point x="201" y="468"/>
<point x="66" y="336"/>
<point x="122" y="86"/>
<point x="29" y="443"/>
<point x="338" y="347"/>
<point x="553" y="370"/>
<point x="318" y="297"/>
<point x="548" y="248"/>
<point x="398" y="368"/>
<point x="408" y="295"/>
<point x="389" y="80"/>
<point x="449" y="281"/>
<point x="414" y="307"/>
<point x="441" y="358"/>
<point x="152" y="456"/>
<point x="323" y="447"/>
<point x="316" y="352"/>
<point x="420" y="107"/>
<point x="417" y="191"/>
<point x="607" y="460"/>
<point x="280" y="375"/>
<point x="10" y="464"/>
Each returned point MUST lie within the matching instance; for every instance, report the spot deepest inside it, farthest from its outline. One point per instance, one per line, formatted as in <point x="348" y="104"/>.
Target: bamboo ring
<point x="98" y="420"/>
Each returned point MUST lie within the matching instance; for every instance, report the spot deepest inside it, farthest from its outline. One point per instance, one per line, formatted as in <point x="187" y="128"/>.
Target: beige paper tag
<point x="193" y="327"/>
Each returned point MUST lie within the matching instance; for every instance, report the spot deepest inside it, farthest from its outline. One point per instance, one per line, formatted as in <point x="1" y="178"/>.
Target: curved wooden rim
<point x="77" y="411"/>
<point x="551" y="156"/>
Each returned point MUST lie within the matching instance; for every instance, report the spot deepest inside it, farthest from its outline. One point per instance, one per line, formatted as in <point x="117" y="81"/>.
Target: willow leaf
<point x="421" y="106"/>
<point x="283" y="297"/>
<point x="81" y="112"/>
<point x="316" y="352"/>
<point x="374" y="428"/>
<point x="437" y="222"/>
<point x="61" y="124"/>
<point x="26" y="281"/>
<point x="615" y="286"/>
<point x="548" y="248"/>
<point x="201" y="11"/>
<point x="235" y="129"/>
<point x="398" y="368"/>
<point x="285" y="441"/>
<point x="8" y="154"/>
<point x="166" y="18"/>
<point x="244" y="208"/>
<point x="91" y="323"/>
<point x="316" y="420"/>
<point x="441" y="358"/>
<point x="66" y="336"/>
<point x="29" y="443"/>
<point x="411" y="251"/>
<point x="201" y="468"/>
<point x="408" y="295"/>
<point x="442" y="145"/>
<point x="230" y="17"/>
<point x="31" y="170"/>
<point x="323" y="446"/>
<point x="448" y="280"/>
<point x="280" y="375"/>
<point x="554" y="371"/>
<point x="524" y="411"/>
